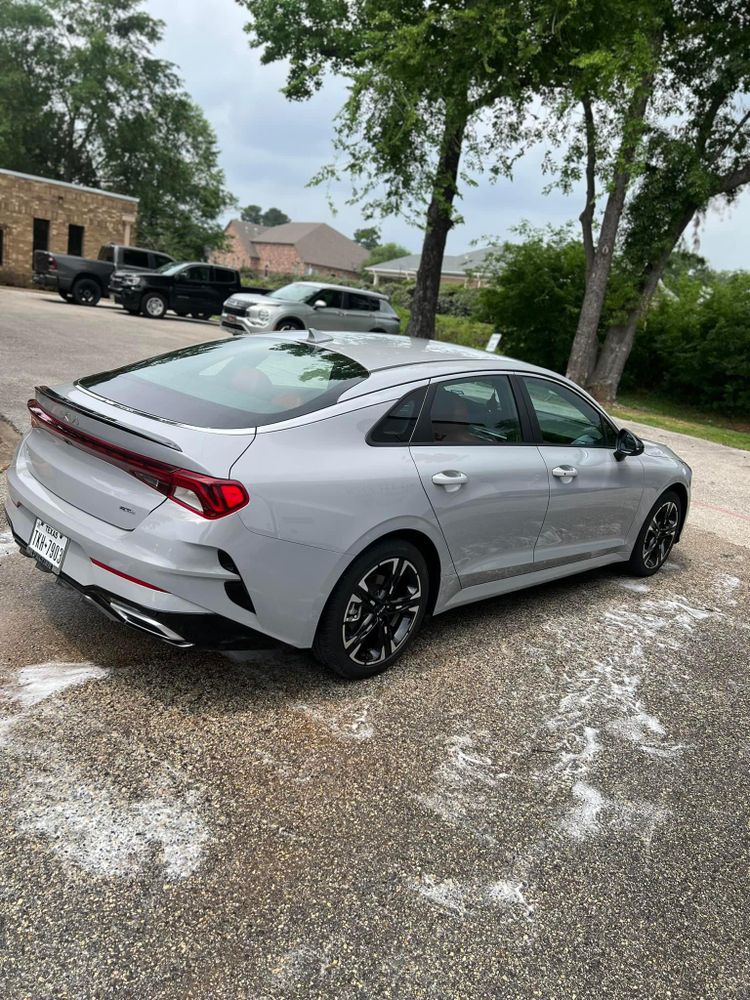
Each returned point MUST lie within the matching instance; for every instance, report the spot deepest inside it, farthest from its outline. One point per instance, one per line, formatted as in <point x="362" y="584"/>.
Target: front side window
<point x="565" y="418"/>
<point x="477" y="410"/>
<point x="243" y="382"/>
<point x="198" y="274"/>
<point x="331" y="296"/>
<point x="296" y="292"/>
<point x="161" y="260"/>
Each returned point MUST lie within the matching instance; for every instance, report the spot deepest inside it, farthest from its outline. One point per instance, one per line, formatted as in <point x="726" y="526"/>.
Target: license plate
<point x="48" y="545"/>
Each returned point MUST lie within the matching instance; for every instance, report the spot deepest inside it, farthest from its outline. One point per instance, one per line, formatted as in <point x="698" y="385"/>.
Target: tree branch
<point x="587" y="215"/>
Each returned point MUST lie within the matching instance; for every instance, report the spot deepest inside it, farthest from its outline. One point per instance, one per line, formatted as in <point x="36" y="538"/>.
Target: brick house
<point x="41" y="214"/>
<point x="292" y="248"/>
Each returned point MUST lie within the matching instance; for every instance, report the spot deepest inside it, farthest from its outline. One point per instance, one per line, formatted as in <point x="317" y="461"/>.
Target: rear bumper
<point x="45" y="280"/>
<point x="184" y="630"/>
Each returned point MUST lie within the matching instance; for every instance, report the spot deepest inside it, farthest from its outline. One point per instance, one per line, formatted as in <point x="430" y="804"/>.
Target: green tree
<point x="421" y="76"/>
<point x="274" y="217"/>
<point x="385" y="251"/>
<point x="251" y="213"/>
<point x="534" y="294"/>
<point x="83" y="99"/>
<point x="368" y="237"/>
<point x="663" y="130"/>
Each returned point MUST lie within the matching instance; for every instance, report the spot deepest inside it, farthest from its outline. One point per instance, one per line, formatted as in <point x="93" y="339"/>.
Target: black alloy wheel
<point x="375" y="610"/>
<point x="657" y="536"/>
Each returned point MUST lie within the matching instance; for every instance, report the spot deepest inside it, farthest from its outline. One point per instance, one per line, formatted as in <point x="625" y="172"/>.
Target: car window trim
<point x="537" y="430"/>
<point x="422" y="434"/>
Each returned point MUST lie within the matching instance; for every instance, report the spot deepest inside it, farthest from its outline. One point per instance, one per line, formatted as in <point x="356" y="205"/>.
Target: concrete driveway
<point x="547" y="798"/>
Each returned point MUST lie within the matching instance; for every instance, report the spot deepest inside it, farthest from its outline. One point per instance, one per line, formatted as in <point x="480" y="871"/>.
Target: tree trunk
<point x="439" y="224"/>
<point x="618" y="343"/>
<point x="584" y="350"/>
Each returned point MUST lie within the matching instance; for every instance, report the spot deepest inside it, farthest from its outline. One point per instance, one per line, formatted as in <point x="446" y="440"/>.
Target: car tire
<point x="289" y="324"/>
<point x="657" y="535"/>
<point x="154" y="305"/>
<point x="132" y="312"/>
<point x="390" y="574"/>
<point x="65" y="296"/>
<point x="86" y="292"/>
<point x="181" y="313"/>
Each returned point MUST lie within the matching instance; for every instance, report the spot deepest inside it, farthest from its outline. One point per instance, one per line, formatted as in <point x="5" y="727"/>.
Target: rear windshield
<point x="242" y="382"/>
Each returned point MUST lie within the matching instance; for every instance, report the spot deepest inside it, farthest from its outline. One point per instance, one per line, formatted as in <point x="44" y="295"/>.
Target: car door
<point x="594" y="497"/>
<point x="331" y="316"/>
<point x="487" y="484"/>
<point x="359" y="310"/>
<point x="193" y="292"/>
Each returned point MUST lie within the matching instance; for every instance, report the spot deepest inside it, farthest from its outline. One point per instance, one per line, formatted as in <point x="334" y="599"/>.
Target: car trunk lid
<point x="111" y="462"/>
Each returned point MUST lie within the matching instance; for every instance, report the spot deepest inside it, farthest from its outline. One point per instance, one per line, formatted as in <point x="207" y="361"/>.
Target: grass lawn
<point x="647" y="408"/>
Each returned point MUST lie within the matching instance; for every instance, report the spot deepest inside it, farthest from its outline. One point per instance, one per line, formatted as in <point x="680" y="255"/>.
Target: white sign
<point x="494" y="342"/>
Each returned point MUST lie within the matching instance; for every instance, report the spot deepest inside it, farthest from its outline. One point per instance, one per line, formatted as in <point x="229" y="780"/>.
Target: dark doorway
<point x="75" y="240"/>
<point x="41" y="235"/>
<point x="2" y="246"/>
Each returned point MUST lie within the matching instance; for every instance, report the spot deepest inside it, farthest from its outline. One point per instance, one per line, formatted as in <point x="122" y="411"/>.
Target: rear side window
<point x="223" y="275"/>
<point x="397" y="426"/>
<point x="477" y="410"/>
<point x="135" y="258"/>
<point x="361" y="303"/>
<point x="232" y="384"/>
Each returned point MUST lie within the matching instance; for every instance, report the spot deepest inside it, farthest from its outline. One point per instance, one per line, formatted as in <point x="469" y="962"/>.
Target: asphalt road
<point x="548" y="798"/>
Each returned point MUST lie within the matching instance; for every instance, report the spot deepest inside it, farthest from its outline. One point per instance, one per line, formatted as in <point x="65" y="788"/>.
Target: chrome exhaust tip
<point x="130" y="616"/>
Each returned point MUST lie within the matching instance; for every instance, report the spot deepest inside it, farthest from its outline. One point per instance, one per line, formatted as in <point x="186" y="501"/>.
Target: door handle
<point x="565" y="472"/>
<point x="450" y="480"/>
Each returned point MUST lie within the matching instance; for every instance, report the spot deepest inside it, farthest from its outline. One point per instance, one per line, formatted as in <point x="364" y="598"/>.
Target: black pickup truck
<point x="84" y="280"/>
<point x="194" y="289"/>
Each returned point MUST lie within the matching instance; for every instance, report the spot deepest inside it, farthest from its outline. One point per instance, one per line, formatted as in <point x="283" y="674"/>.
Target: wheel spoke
<point x="362" y="632"/>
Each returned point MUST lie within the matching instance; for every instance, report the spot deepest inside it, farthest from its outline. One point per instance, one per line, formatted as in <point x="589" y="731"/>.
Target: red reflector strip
<point x="130" y="579"/>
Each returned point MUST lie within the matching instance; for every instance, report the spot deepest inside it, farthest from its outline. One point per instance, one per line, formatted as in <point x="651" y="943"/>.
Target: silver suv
<point x="305" y="304"/>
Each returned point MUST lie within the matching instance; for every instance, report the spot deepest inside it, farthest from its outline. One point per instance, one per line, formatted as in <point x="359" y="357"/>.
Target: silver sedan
<point x="328" y="492"/>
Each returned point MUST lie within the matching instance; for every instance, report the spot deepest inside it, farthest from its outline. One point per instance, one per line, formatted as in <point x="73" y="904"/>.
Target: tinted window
<point x="107" y="253"/>
<point x="565" y="418"/>
<point x="478" y="410"/>
<point x="331" y="296"/>
<point x="75" y="240"/>
<point x="296" y="292"/>
<point x="247" y="382"/>
<point x="361" y="303"/>
<point x="223" y="275"/>
<point x="135" y="258"/>
<point x="160" y="259"/>
<point x="198" y="273"/>
<point x="397" y="426"/>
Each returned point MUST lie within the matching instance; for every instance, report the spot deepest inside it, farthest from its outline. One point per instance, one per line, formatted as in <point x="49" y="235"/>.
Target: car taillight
<point x="205" y="495"/>
<point x="51" y="262"/>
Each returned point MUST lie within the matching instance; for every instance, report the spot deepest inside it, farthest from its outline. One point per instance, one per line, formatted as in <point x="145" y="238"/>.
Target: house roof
<point x="457" y="264"/>
<point x="246" y="233"/>
<point x="316" y="243"/>
<point x="66" y="184"/>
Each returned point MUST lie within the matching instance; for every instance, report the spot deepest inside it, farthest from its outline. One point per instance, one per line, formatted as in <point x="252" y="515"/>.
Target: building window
<point x="40" y="236"/>
<point x="75" y="240"/>
<point x="2" y="245"/>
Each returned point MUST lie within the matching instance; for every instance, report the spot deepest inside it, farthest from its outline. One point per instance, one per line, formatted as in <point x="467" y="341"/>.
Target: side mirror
<point x="319" y="304"/>
<point x="627" y="444"/>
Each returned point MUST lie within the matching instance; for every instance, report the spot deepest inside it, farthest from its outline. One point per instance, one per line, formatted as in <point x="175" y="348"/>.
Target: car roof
<point x="381" y="351"/>
<point x="340" y="288"/>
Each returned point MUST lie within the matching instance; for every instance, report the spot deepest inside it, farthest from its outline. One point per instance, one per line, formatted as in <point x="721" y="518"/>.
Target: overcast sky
<point x="270" y="147"/>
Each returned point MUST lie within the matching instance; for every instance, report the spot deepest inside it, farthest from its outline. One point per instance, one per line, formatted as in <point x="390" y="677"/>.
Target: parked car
<point x="305" y="304"/>
<point x="84" y="280"/>
<point x="192" y="288"/>
<point x="329" y="491"/>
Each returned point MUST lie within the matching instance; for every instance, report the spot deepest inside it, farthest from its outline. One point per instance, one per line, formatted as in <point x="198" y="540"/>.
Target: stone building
<point x="41" y="214"/>
<point x="293" y="248"/>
